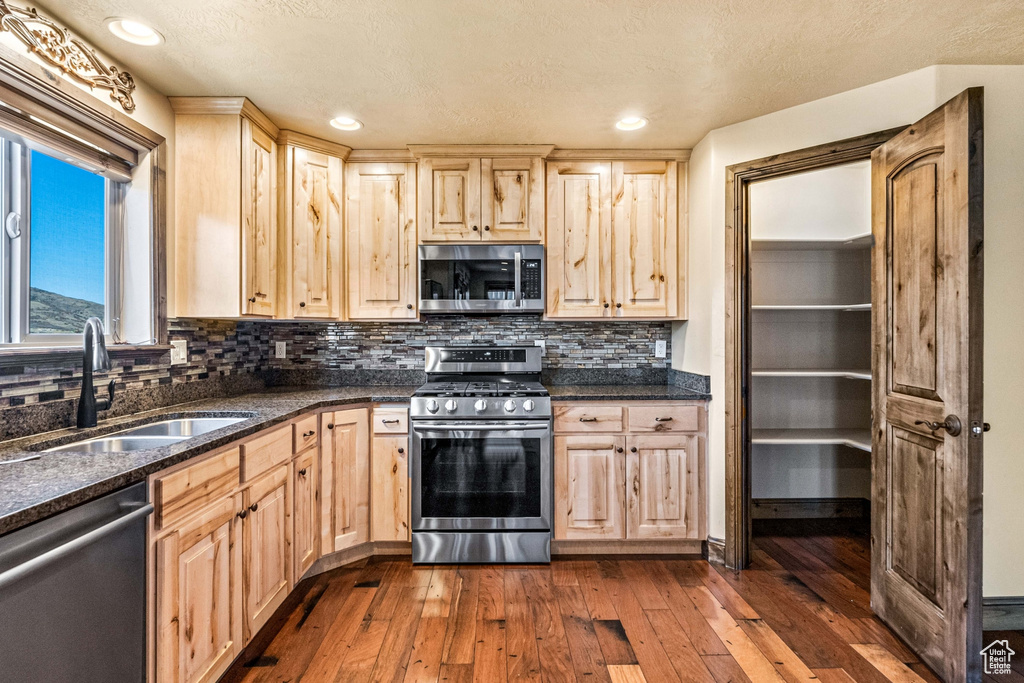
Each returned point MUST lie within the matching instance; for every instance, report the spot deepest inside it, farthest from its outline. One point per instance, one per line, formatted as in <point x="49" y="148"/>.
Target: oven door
<point x="477" y="278"/>
<point x="475" y="475"/>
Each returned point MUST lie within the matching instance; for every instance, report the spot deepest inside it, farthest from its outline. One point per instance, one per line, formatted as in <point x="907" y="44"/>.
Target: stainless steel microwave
<point x="482" y="278"/>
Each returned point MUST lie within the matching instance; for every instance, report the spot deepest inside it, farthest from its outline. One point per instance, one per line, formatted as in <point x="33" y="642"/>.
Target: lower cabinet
<point x="266" y="547"/>
<point x="198" y="600"/>
<point x="634" y="472"/>
<point x="344" y="479"/>
<point x="390" y="484"/>
<point x="305" y="521"/>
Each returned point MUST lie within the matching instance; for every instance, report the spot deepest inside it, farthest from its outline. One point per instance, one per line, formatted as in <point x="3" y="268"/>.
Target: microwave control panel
<point x="531" y="275"/>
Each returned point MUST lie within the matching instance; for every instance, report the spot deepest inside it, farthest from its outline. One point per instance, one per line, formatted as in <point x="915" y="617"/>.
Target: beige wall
<point x="700" y="343"/>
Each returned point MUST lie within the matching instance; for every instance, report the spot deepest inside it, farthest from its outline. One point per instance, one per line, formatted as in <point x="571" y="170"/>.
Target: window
<point x="62" y="225"/>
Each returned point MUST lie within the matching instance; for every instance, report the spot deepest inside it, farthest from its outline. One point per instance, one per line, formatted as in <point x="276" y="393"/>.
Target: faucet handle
<point x="105" y="403"/>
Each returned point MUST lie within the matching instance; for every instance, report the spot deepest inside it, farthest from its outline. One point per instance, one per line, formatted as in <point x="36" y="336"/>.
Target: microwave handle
<point x="519" y="278"/>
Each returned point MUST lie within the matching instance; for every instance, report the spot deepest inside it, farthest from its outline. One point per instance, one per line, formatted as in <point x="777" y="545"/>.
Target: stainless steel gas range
<point x="481" y="457"/>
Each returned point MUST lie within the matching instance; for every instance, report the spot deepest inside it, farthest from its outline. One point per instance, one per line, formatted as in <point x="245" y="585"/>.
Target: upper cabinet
<point x="225" y="208"/>
<point x="481" y="193"/>
<point x="380" y="221"/>
<point x="311" y="208"/>
<point x="613" y="239"/>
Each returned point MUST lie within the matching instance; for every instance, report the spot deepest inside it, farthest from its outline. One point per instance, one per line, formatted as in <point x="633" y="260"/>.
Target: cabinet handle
<point x="254" y="507"/>
<point x="487" y="227"/>
<point x="243" y="514"/>
<point x="409" y="306"/>
<point x="302" y="304"/>
<point x="588" y="419"/>
<point x="330" y="425"/>
<point x="663" y="419"/>
<point x="633" y="449"/>
<point x="607" y="305"/>
<point x="475" y="228"/>
<point x="618" y="305"/>
<point x="619" y="449"/>
<point x="306" y="435"/>
<point x="390" y="422"/>
<point x="401" y="450"/>
<point x="302" y="472"/>
<point x="252" y="299"/>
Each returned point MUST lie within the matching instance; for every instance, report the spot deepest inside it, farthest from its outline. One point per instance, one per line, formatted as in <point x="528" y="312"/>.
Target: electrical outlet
<point x="660" y="348"/>
<point x="280" y="349"/>
<point x="542" y="344"/>
<point x="179" y="351"/>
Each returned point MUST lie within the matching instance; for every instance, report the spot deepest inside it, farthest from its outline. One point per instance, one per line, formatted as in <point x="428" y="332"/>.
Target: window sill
<point x="22" y="355"/>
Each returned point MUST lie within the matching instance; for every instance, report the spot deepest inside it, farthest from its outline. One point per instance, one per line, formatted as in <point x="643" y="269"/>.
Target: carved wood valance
<point x="56" y="46"/>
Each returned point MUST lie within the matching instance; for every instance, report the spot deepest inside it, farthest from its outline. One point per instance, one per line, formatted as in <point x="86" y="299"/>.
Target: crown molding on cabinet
<point x="492" y="151"/>
<point x="619" y="154"/>
<point x="401" y="156"/>
<point x="291" y="137"/>
<point x="239" y="106"/>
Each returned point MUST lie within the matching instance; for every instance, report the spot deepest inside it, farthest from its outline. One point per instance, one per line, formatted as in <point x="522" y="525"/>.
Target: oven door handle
<point x="519" y="278"/>
<point x="448" y="427"/>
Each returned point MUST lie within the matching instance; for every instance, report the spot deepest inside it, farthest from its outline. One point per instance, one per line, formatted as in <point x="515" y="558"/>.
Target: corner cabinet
<point x="613" y="239"/>
<point x="380" y="219"/>
<point x="311" y="207"/>
<point x="225" y="218"/>
<point x="481" y="193"/>
<point x="344" y="479"/>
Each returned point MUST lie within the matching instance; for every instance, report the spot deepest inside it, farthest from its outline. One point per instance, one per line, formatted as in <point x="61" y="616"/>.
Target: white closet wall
<point x="811" y="334"/>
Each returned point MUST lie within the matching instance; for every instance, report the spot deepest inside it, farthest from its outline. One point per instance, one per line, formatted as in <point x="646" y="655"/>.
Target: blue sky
<point x="68" y="207"/>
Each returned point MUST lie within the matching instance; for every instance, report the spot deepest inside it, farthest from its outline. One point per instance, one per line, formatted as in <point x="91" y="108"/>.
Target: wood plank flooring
<point x="800" y="613"/>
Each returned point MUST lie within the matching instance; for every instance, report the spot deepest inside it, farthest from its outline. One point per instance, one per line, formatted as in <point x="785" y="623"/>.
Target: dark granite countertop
<point x="36" y="489"/>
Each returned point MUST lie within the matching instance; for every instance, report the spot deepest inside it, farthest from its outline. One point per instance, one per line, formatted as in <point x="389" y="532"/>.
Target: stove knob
<point x="480" y="405"/>
<point x="510" y="406"/>
<point x="450" y="405"/>
<point x="528" y="405"/>
<point x="432" y="406"/>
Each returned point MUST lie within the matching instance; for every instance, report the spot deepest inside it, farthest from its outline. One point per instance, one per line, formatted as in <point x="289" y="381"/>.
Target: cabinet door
<point x="644" y="230"/>
<point x="451" y="205"/>
<point x="381" y="253"/>
<point x="266" y="547"/>
<point x="259" y="234"/>
<point x="579" y="240"/>
<point x="389" y="516"/>
<point x="198" y="599"/>
<point x="589" y="487"/>
<point x="344" y="479"/>
<point x="512" y="199"/>
<point x="663" y="483"/>
<point x="305" y="516"/>
<point x="315" y="235"/>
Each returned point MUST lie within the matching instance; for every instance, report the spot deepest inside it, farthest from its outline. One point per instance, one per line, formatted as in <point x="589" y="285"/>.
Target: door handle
<point x="951" y="424"/>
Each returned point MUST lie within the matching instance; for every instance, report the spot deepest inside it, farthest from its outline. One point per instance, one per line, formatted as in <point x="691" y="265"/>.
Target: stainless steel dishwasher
<point x="73" y="594"/>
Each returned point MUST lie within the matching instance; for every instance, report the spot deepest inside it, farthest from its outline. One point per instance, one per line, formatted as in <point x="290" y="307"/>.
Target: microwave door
<point x="481" y="278"/>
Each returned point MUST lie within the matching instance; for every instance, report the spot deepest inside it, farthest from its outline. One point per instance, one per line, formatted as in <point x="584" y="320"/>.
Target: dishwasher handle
<point x="38" y="562"/>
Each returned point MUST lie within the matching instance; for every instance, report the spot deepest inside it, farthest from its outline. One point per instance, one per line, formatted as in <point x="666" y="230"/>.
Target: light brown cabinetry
<point x="629" y="472"/>
<point x="311" y="209"/>
<point x="389" y="475"/>
<point x="477" y="193"/>
<point x="225" y="208"/>
<point x="612" y="239"/>
<point x="305" y="519"/>
<point x="266" y="547"/>
<point x="344" y="479"/>
<point x="380" y="219"/>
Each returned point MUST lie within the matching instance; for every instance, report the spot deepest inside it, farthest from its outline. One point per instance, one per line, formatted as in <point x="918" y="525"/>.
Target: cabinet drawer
<point x="178" y="495"/>
<point x="664" y="418"/>
<point x="391" y="421"/>
<point x="587" y="419"/>
<point x="304" y="433"/>
<point x="265" y="451"/>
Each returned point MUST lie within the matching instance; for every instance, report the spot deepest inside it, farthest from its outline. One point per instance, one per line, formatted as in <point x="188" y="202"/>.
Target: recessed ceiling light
<point x="134" y="31"/>
<point x="345" y="123"/>
<point x="631" y="123"/>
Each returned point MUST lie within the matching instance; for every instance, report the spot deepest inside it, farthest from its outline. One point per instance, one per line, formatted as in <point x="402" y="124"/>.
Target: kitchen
<point x="462" y="399"/>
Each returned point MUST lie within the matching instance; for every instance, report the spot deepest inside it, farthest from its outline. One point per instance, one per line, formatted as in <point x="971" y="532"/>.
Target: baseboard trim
<point x="713" y="550"/>
<point x="1003" y="613"/>
<point x="810" y="508"/>
<point x="613" y="547"/>
<point x="356" y="553"/>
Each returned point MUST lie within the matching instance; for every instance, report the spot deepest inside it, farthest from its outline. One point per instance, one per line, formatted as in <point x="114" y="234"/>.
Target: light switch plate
<point x="660" y="348"/>
<point x="280" y="349"/>
<point x="179" y="351"/>
<point x="541" y="343"/>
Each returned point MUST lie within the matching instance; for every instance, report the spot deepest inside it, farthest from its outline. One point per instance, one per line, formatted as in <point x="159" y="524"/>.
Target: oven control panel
<point x="490" y="407"/>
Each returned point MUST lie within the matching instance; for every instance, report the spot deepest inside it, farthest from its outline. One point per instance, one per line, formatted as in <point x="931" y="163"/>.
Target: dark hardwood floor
<point x="801" y="612"/>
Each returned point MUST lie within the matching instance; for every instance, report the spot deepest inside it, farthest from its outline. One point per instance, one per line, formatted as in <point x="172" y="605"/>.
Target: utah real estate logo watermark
<point x="997" y="657"/>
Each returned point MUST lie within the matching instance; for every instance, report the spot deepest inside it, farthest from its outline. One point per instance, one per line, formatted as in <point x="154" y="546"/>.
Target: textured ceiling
<point x="541" y="71"/>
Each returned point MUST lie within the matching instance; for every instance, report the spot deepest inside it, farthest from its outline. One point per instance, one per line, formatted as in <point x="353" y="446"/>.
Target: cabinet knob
<point x="243" y="514"/>
<point x="633" y="449"/>
<point x="607" y="305"/>
<point x="409" y="306"/>
<point x="619" y="449"/>
<point x="618" y="305"/>
<point x="330" y="425"/>
<point x="401" y="450"/>
<point x="254" y="507"/>
<point x="487" y="227"/>
<point x="302" y="472"/>
<point x="475" y="228"/>
<point x="252" y="299"/>
<point x="302" y="304"/>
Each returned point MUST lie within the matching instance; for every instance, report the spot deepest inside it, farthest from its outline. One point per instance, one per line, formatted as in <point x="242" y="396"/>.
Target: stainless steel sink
<point x="155" y="435"/>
